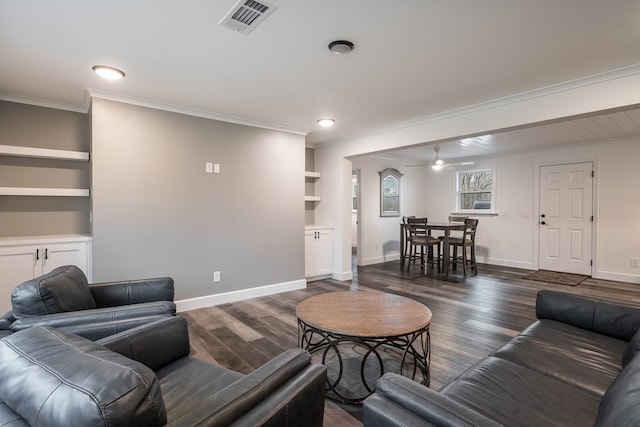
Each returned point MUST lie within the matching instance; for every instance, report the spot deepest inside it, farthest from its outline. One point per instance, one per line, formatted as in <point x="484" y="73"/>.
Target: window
<point x="475" y="191"/>
<point x="390" y="192"/>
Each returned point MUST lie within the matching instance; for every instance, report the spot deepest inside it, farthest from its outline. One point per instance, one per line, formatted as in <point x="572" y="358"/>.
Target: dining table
<point x="445" y="227"/>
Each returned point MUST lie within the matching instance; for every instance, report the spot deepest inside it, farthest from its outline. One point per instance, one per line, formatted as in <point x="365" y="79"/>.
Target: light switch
<point x="208" y="167"/>
<point x="216" y="168"/>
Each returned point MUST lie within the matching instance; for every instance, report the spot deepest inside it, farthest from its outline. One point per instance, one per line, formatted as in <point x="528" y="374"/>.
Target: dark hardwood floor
<point x="471" y="318"/>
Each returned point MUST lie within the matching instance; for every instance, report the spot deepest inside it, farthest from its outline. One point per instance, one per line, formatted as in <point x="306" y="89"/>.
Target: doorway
<point x="355" y="219"/>
<point x="566" y="218"/>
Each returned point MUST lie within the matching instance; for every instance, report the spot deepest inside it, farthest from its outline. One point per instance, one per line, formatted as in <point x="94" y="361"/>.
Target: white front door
<point x="566" y="221"/>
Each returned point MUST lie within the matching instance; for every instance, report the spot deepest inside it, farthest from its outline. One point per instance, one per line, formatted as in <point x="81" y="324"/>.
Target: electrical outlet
<point x="216" y="276"/>
<point x="633" y="262"/>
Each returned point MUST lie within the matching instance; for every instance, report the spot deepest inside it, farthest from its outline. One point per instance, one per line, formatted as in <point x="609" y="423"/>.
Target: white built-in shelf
<point x="312" y="198"/>
<point x="43" y="153"/>
<point x="310" y="174"/>
<point x="26" y="191"/>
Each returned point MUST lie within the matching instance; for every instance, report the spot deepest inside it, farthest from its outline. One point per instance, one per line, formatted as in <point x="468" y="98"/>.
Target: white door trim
<point x="359" y="250"/>
<point x="595" y="210"/>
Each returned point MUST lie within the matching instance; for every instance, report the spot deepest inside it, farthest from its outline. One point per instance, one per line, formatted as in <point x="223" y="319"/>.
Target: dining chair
<point x="467" y="241"/>
<point x="407" y="237"/>
<point x="420" y="238"/>
<point x="454" y="218"/>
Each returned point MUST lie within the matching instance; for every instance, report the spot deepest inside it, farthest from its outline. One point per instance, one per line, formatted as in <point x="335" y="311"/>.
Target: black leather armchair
<point x="64" y="299"/>
<point x="145" y="377"/>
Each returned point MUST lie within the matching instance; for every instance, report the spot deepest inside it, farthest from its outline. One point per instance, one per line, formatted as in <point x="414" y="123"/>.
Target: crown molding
<point x="594" y="79"/>
<point x="39" y="102"/>
<point x="96" y="93"/>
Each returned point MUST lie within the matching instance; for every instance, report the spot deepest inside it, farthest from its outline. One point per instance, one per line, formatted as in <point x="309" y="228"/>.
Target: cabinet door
<point x="17" y="264"/>
<point x="309" y="253"/>
<point x="324" y="245"/>
<point x="59" y="254"/>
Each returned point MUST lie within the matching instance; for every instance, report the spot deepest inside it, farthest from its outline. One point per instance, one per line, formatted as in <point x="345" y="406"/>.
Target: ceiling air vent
<point x="246" y="15"/>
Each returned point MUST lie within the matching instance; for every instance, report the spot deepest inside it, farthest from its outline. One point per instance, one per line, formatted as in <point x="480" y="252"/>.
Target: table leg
<point x="402" y="248"/>
<point x="445" y="253"/>
<point x="336" y="351"/>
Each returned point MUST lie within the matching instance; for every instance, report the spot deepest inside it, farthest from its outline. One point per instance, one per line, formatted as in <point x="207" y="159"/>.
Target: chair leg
<point x="407" y="250"/>
<point x="473" y="259"/>
<point x="454" y="258"/>
<point x="464" y="260"/>
<point x="436" y="256"/>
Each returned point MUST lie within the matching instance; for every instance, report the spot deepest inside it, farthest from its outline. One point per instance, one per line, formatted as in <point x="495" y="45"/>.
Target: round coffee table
<point x="369" y="329"/>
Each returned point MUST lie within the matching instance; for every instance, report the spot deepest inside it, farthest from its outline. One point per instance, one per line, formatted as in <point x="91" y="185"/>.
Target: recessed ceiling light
<point x="108" y="73"/>
<point x="340" y="47"/>
<point x="325" y="123"/>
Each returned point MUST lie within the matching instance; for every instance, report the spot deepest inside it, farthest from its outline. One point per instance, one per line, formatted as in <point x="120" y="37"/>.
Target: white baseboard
<point x="527" y="265"/>
<point x="343" y="277"/>
<point x="223" y="298"/>
<point x="617" y="277"/>
<point x="381" y="259"/>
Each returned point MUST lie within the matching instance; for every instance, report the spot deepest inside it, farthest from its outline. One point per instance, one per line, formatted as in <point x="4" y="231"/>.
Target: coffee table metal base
<point x="412" y="352"/>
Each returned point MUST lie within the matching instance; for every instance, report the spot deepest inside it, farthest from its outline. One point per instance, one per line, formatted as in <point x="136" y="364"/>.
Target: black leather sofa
<point x="577" y="365"/>
<point x="145" y="377"/>
<point x="64" y="299"/>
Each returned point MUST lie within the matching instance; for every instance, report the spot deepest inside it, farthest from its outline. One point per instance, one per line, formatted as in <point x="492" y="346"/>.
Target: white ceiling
<point x="412" y="58"/>
<point x="600" y="127"/>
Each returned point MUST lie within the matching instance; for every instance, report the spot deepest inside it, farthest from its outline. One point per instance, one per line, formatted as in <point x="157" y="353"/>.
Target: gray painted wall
<point x="156" y="212"/>
<point x="31" y="126"/>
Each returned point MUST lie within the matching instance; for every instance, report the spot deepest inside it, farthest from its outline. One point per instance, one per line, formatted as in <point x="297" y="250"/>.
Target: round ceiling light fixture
<point x="326" y="123"/>
<point x="108" y="73"/>
<point x="340" y="47"/>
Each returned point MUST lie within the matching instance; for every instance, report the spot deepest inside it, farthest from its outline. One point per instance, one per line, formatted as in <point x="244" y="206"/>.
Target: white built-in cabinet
<point x="23" y="258"/>
<point x="318" y="243"/>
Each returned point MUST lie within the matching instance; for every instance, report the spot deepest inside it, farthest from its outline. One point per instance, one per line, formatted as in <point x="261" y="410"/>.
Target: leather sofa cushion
<point x="510" y="393"/>
<point x="619" y="405"/>
<point x="607" y="318"/>
<point x="632" y="349"/>
<point x="8" y="418"/>
<point x="189" y="377"/>
<point x="585" y="359"/>
<point x="50" y="377"/>
<point x="61" y="290"/>
<point x="155" y="344"/>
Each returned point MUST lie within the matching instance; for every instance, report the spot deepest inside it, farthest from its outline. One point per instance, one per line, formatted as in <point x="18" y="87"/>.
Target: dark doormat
<point x="556" y="277"/>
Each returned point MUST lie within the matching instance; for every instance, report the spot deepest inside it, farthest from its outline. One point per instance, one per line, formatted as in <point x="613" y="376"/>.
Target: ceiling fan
<point x="438" y="163"/>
